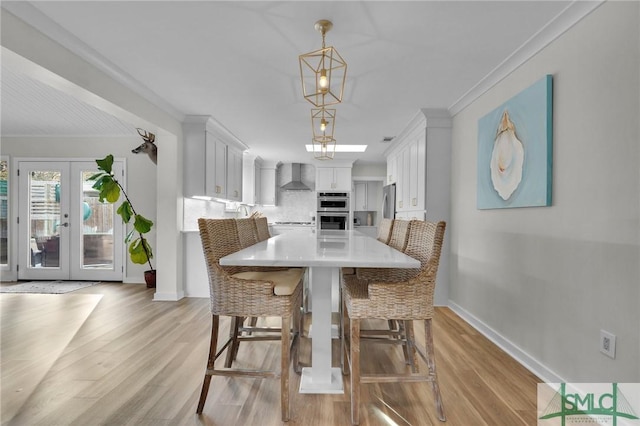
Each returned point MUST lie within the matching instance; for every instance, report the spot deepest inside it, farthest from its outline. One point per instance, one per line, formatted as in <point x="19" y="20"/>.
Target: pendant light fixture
<point x="323" y="72"/>
<point x="324" y="147"/>
<point x="323" y="121"/>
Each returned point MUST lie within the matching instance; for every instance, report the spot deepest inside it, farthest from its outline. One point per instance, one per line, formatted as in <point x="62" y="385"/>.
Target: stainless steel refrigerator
<point x="389" y="201"/>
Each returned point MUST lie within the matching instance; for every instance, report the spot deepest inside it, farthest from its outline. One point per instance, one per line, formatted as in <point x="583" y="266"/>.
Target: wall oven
<point x="333" y="202"/>
<point x="333" y="220"/>
<point x="333" y="210"/>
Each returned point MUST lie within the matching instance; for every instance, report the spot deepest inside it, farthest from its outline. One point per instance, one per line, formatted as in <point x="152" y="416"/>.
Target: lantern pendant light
<point x="323" y="121"/>
<point x="324" y="147"/>
<point x="323" y="72"/>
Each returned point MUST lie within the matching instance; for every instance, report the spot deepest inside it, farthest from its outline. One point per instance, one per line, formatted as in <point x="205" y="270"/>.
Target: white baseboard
<point x="527" y="361"/>
<point x="167" y="297"/>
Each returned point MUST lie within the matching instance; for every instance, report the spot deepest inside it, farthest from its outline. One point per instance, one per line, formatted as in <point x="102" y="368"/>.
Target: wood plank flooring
<point x="109" y="355"/>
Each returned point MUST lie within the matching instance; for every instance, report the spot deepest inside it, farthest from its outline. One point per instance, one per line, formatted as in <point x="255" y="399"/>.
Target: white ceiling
<point x="238" y="62"/>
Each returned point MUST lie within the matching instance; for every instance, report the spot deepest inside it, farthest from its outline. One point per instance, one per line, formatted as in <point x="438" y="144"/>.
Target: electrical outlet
<point x="608" y="343"/>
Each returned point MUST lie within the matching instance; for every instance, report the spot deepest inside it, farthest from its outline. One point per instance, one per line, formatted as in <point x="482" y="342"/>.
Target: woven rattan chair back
<point x="424" y="243"/>
<point x="262" y="228"/>
<point x="399" y="234"/>
<point x="247" y="232"/>
<point x="384" y="230"/>
<point x="219" y="238"/>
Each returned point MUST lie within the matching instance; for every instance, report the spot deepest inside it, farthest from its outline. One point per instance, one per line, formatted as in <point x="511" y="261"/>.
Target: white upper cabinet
<point x="417" y="182"/>
<point x="404" y="176"/>
<point x="268" y="184"/>
<point x="333" y="178"/>
<point x="392" y="167"/>
<point x="419" y="163"/>
<point x="234" y="174"/>
<point x="212" y="160"/>
<point x="367" y="195"/>
<point x="251" y="179"/>
<point x="360" y="199"/>
<point x="220" y="167"/>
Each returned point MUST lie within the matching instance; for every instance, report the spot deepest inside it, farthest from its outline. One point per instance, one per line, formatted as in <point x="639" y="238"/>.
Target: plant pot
<point x="150" y="278"/>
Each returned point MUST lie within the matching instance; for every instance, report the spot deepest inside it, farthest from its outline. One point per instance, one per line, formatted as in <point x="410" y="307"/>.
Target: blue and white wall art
<point x="515" y="144"/>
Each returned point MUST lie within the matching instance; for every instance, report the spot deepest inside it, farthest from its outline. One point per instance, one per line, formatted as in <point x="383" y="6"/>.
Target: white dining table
<point x="324" y="252"/>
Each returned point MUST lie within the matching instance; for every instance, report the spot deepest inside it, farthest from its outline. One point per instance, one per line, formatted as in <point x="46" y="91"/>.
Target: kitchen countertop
<point x="302" y="224"/>
<point x="326" y="248"/>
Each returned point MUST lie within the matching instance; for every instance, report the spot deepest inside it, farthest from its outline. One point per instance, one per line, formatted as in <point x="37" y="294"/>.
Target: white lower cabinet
<point x="281" y="229"/>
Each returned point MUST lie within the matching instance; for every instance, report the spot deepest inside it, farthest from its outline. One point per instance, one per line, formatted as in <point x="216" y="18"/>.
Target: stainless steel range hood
<point x="294" y="181"/>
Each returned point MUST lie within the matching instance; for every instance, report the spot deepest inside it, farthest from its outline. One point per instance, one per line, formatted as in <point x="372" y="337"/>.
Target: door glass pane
<point x="97" y="227"/>
<point x="4" y="209"/>
<point x="44" y="218"/>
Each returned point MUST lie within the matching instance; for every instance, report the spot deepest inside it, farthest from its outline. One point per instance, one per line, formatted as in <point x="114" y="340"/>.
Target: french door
<point x="64" y="231"/>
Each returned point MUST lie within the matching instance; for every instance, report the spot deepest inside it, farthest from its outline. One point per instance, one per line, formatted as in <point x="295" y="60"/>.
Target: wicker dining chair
<point x="238" y="293"/>
<point x="398" y="238"/>
<point x="398" y="231"/>
<point x="399" y="234"/>
<point x="248" y="234"/>
<point x="247" y="231"/>
<point x="262" y="228"/>
<point x="395" y="295"/>
<point x="384" y="230"/>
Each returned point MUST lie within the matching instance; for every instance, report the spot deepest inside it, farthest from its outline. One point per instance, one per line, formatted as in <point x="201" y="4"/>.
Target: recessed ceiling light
<point x="342" y="148"/>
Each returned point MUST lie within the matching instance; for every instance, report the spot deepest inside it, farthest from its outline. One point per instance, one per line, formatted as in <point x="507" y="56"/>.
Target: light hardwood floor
<point x="108" y="355"/>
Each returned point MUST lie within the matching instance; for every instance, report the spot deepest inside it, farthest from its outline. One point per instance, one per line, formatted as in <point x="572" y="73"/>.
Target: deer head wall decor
<point x="148" y="146"/>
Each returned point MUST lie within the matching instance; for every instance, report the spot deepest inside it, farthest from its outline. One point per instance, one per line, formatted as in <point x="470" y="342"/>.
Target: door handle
<point x="66" y="224"/>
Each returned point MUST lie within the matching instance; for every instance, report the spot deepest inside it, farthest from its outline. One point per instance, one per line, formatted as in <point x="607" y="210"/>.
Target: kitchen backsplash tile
<point x="293" y="206"/>
<point x="195" y="209"/>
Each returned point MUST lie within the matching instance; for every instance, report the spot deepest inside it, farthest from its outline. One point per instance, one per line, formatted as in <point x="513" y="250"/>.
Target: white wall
<point x="45" y="59"/>
<point x="546" y="280"/>
<point x="141" y="172"/>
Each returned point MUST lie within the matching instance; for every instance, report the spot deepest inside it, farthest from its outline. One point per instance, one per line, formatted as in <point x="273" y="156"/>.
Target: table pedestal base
<point x="335" y="332"/>
<point x="307" y="385"/>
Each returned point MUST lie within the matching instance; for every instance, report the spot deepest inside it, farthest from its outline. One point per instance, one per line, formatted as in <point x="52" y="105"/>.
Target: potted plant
<point x="110" y="189"/>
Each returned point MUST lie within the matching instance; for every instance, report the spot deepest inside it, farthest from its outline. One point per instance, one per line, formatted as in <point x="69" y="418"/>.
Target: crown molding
<point x="32" y="16"/>
<point x="566" y="19"/>
<point x="212" y="125"/>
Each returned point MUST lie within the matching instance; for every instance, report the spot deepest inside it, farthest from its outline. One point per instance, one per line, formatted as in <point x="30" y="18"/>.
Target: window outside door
<point x="65" y="233"/>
